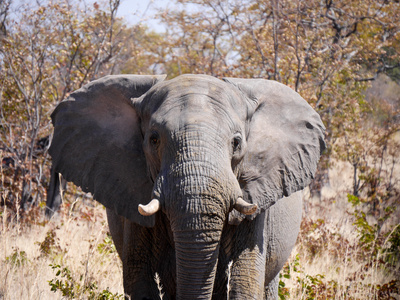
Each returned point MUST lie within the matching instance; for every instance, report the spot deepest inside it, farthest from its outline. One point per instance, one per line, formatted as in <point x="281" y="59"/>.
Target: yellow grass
<point x="348" y="272"/>
<point x="77" y="237"/>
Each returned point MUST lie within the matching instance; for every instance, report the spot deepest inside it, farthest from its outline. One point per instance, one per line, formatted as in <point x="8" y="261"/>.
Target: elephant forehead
<point x="196" y="103"/>
<point x="194" y="99"/>
<point x="196" y="109"/>
<point x="197" y="89"/>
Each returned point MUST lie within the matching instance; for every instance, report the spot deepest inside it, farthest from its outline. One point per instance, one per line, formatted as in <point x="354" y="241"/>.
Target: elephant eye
<point x="154" y="139"/>
<point x="236" y="143"/>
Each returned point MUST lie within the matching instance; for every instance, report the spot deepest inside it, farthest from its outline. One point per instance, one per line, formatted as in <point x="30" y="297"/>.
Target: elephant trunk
<point x="197" y="191"/>
<point x="196" y="261"/>
<point x="197" y="215"/>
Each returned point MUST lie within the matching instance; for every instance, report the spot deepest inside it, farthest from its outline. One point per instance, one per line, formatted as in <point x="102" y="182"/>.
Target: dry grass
<point x="77" y="241"/>
<point x="327" y="262"/>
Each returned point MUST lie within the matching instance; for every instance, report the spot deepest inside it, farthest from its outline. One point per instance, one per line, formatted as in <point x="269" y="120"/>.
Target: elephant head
<point x="202" y="151"/>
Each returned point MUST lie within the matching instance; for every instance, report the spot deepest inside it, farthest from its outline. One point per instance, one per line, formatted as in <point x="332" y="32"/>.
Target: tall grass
<point x="78" y="241"/>
<point x="330" y="261"/>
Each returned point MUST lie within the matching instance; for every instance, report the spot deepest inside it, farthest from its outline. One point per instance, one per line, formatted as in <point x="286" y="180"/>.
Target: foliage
<point x="50" y="244"/>
<point x="318" y="286"/>
<point x="17" y="258"/>
<point x="72" y="288"/>
<point x="311" y="287"/>
<point x="107" y="246"/>
<point x="384" y="245"/>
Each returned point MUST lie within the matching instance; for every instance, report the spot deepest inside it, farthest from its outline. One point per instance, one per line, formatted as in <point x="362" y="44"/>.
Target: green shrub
<point x="17" y="258"/>
<point x="72" y="288"/>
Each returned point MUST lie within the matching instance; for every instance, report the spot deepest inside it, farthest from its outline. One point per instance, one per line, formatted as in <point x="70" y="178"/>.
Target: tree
<point x="49" y="51"/>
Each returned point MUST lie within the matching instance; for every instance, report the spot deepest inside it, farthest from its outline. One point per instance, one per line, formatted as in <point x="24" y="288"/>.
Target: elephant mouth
<point x="158" y="200"/>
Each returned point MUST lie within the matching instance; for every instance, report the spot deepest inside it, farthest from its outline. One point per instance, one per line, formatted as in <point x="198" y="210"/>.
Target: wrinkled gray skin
<point x="198" y="146"/>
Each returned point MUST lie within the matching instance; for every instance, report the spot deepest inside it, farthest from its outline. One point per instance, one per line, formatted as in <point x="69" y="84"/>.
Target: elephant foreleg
<point x="282" y="227"/>
<point x="144" y="252"/>
<point x="241" y="262"/>
<point x="132" y="245"/>
<point x="271" y="290"/>
<point x="254" y="252"/>
<point x="247" y="273"/>
<point x="116" y="227"/>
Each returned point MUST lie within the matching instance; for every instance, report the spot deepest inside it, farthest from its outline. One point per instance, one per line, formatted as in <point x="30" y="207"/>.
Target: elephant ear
<point x="97" y="143"/>
<point x="284" y="143"/>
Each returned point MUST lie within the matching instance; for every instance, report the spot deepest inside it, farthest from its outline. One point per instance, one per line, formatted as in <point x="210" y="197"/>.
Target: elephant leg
<point x="272" y="288"/>
<point x="247" y="274"/>
<point x="131" y="242"/>
<point x="257" y="251"/>
<point x="116" y="227"/>
<point x="241" y="262"/>
<point x="282" y="227"/>
<point x="163" y="257"/>
<point x="144" y="252"/>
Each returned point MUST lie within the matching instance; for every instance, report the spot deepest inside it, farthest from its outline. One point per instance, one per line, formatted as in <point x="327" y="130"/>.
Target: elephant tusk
<point x="149" y="209"/>
<point x="244" y="207"/>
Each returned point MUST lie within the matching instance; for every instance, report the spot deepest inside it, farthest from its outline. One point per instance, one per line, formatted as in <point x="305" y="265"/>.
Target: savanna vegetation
<point x="342" y="56"/>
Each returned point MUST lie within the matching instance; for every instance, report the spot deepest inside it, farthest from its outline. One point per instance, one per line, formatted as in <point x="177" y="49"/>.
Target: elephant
<point x="201" y="177"/>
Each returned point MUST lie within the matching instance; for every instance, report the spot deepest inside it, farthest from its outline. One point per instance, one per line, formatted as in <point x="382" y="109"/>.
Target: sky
<point x="135" y="11"/>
